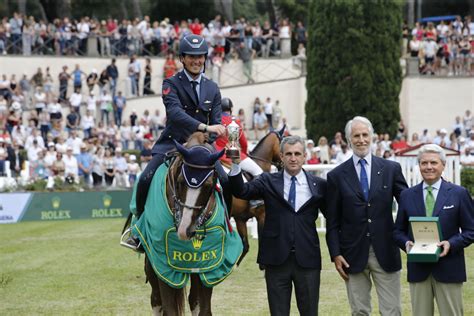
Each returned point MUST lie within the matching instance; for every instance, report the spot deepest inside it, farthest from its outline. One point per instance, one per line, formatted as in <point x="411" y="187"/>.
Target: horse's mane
<point x="260" y="143"/>
<point x="199" y="139"/>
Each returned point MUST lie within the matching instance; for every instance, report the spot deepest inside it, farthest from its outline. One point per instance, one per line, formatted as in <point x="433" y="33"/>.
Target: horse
<point x="191" y="190"/>
<point x="266" y="153"/>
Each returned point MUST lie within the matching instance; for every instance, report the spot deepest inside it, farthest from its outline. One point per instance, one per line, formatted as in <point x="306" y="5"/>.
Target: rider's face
<point x="193" y="63"/>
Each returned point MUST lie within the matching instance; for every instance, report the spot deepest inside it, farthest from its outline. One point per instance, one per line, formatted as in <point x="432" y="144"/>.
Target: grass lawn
<point x="78" y="268"/>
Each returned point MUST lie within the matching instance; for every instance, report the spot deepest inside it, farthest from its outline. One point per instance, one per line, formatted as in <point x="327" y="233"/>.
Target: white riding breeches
<point x="251" y="167"/>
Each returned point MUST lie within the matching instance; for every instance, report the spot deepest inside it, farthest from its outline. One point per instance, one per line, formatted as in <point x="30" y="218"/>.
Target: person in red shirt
<point x="246" y="163"/>
<point x="195" y="27"/>
<point x="400" y="144"/>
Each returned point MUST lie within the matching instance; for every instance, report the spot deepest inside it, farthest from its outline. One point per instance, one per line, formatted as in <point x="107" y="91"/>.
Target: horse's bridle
<point x="204" y="213"/>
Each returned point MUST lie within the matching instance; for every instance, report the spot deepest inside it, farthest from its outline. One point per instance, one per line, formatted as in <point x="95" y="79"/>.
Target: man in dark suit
<point x="289" y="245"/>
<point x="360" y="223"/>
<point x="454" y="207"/>
<point x="193" y="103"/>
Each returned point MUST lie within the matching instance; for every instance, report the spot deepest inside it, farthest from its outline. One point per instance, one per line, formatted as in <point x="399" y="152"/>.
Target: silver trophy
<point x="233" y="135"/>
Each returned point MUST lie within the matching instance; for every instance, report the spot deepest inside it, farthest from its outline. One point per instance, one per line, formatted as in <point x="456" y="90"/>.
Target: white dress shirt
<point x="303" y="193"/>
<point x="368" y="165"/>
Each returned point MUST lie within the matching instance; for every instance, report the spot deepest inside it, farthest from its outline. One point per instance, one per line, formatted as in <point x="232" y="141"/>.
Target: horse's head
<point x="267" y="152"/>
<point x="192" y="180"/>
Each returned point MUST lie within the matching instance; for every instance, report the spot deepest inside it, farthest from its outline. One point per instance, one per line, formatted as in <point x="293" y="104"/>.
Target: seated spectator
<point x="467" y="158"/>
<point x="87" y="122"/>
<point x="97" y="167"/>
<point x="415" y="141"/>
<point x="108" y="167"/>
<point x="260" y="124"/>
<point x="400" y="144"/>
<point x="309" y="149"/>
<point x="323" y="150"/>
<point x="58" y="166"/>
<point x="343" y="155"/>
<point x="38" y="167"/>
<point x="145" y="154"/>
<point x="72" y="120"/>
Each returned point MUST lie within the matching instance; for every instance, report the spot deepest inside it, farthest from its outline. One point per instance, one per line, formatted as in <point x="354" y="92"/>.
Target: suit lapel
<point x="351" y="178"/>
<point x="188" y="87"/>
<point x="441" y="198"/>
<point x="376" y="176"/>
<point x="419" y="201"/>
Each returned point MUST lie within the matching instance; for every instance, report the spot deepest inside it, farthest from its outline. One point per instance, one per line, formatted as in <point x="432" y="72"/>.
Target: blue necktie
<point x="364" y="181"/>
<point x="195" y="84"/>
<point x="292" y="193"/>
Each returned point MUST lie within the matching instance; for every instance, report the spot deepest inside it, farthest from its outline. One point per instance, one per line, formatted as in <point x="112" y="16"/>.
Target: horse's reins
<point x="204" y="210"/>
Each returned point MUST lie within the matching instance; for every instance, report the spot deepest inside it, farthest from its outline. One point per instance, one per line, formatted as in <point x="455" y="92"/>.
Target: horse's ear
<point x="181" y="149"/>
<point x="282" y="131"/>
<point x="217" y="155"/>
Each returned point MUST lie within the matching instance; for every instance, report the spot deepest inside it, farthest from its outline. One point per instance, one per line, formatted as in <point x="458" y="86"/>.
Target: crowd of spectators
<point x="143" y="37"/>
<point x="460" y="138"/>
<point x="446" y="45"/>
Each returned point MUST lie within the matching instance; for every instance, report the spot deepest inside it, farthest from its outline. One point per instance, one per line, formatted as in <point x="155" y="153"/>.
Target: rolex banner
<point x="63" y="205"/>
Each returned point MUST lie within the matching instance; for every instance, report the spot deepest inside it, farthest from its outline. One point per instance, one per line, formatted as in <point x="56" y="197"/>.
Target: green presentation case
<point x="426" y="233"/>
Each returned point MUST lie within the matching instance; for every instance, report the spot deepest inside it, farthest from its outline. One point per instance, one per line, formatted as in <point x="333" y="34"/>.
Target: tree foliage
<point x="353" y="64"/>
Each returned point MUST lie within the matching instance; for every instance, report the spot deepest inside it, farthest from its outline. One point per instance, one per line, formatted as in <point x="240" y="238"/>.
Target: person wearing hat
<point x="442" y="138"/>
<point x="71" y="168"/>
<point x="84" y="163"/>
<point x="246" y="163"/>
<point x="133" y="169"/>
<point x="193" y="103"/>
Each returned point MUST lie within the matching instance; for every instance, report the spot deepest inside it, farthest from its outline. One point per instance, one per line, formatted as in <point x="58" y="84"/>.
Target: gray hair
<point x="432" y="148"/>
<point x="359" y="119"/>
<point x="291" y="140"/>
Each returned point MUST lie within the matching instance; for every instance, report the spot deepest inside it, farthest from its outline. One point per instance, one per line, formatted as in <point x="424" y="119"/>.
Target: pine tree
<point x="353" y="65"/>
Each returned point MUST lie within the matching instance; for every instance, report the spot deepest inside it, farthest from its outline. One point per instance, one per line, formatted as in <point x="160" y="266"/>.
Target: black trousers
<point x="280" y="280"/>
<point x="147" y="175"/>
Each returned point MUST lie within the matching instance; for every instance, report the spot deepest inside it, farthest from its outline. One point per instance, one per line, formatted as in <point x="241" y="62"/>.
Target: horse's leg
<point x="156" y="305"/>
<point x="242" y="230"/>
<point x="204" y="295"/>
<point x="172" y="299"/>
<point x="194" y="295"/>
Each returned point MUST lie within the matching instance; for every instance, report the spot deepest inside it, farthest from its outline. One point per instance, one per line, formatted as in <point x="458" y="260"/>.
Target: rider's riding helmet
<point x="193" y="45"/>
<point x="226" y="105"/>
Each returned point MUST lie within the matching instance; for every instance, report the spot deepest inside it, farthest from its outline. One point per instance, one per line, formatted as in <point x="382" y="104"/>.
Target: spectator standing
<point x="16" y="24"/>
<point x="109" y="167"/>
<point x="75" y="100"/>
<point x="77" y="77"/>
<point x="63" y="78"/>
<point x="105" y="101"/>
<point x="147" y="80"/>
<point x="71" y="169"/>
<point x="97" y="167"/>
<point x="133" y="169"/>
<point x="246" y="55"/>
<point x="268" y="109"/>
<point x="92" y="80"/>
<point x="92" y="103"/>
<point x="260" y="123"/>
<point x="267" y="39"/>
<point x="84" y="163"/>
<point x="145" y="154"/>
<point x="39" y="99"/>
<point x="121" y="167"/>
<point x="103" y="81"/>
<point x="300" y="33"/>
<point x="323" y="150"/>
<point x="170" y="67"/>
<point x="48" y="83"/>
<point x="119" y="104"/>
<point x="38" y="80"/>
<point x="112" y="73"/>
<point x="87" y="122"/>
<point x="285" y="38"/>
<point x="468" y="121"/>
<point x="125" y="134"/>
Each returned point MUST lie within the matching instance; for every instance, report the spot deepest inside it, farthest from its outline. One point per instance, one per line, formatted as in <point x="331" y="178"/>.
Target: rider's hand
<point x="218" y="129"/>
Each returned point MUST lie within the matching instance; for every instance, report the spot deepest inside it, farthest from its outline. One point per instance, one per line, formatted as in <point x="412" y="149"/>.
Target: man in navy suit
<point x="454" y="207"/>
<point x="360" y="223"/>
<point x="289" y="245"/>
<point x="192" y="102"/>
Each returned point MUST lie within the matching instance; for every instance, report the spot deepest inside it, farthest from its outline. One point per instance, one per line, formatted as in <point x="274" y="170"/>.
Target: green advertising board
<point x="77" y="205"/>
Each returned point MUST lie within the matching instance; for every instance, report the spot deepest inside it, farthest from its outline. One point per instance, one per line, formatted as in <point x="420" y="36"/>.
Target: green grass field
<point x="78" y="268"/>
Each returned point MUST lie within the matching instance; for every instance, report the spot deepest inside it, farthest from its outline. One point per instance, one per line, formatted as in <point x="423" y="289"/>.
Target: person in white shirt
<point x="105" y="101"/>
<point x="71" y="167"/>
<point x="468" y="122"/>
<point x="34" y="137"/>
<point x="32" y="151"/>
<point x="268" y="109"/>
<point x="88" y="122"/>
<point x="75" y="100"/>
<point x="50" y="155"/>
<point x="125" y="134"/>
<point x="74" y="142"/>
<point x="344" y="154"/>
<point x="40" y="99"/>
<point x="92" y="103"/>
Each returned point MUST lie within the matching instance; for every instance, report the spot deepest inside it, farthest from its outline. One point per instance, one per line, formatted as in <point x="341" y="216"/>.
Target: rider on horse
<point x="193" y="103"/>
<point x="246" y="163"/>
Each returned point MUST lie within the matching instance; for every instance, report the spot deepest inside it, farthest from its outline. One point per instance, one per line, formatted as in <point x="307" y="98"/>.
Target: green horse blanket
<point x="213" y="257"/>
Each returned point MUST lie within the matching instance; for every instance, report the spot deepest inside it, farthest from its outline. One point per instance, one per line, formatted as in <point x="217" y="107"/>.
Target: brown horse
<point x="266" y="153"/>
<point x="190" y="193"/>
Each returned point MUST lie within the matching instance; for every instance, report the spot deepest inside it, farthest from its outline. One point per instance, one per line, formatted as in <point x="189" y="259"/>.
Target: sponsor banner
<point x="77" y="205"/>
<point x="12" y="206"/>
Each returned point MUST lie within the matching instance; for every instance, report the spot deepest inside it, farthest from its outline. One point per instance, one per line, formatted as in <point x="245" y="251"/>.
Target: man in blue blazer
<point x="360" y="223"/>
<point x="289" y="244"/>
<point x="454" y="207"/>
<point x="192" y="102"/>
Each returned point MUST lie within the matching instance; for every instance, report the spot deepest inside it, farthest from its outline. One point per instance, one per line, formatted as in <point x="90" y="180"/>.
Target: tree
<point x="353" y="65"/>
